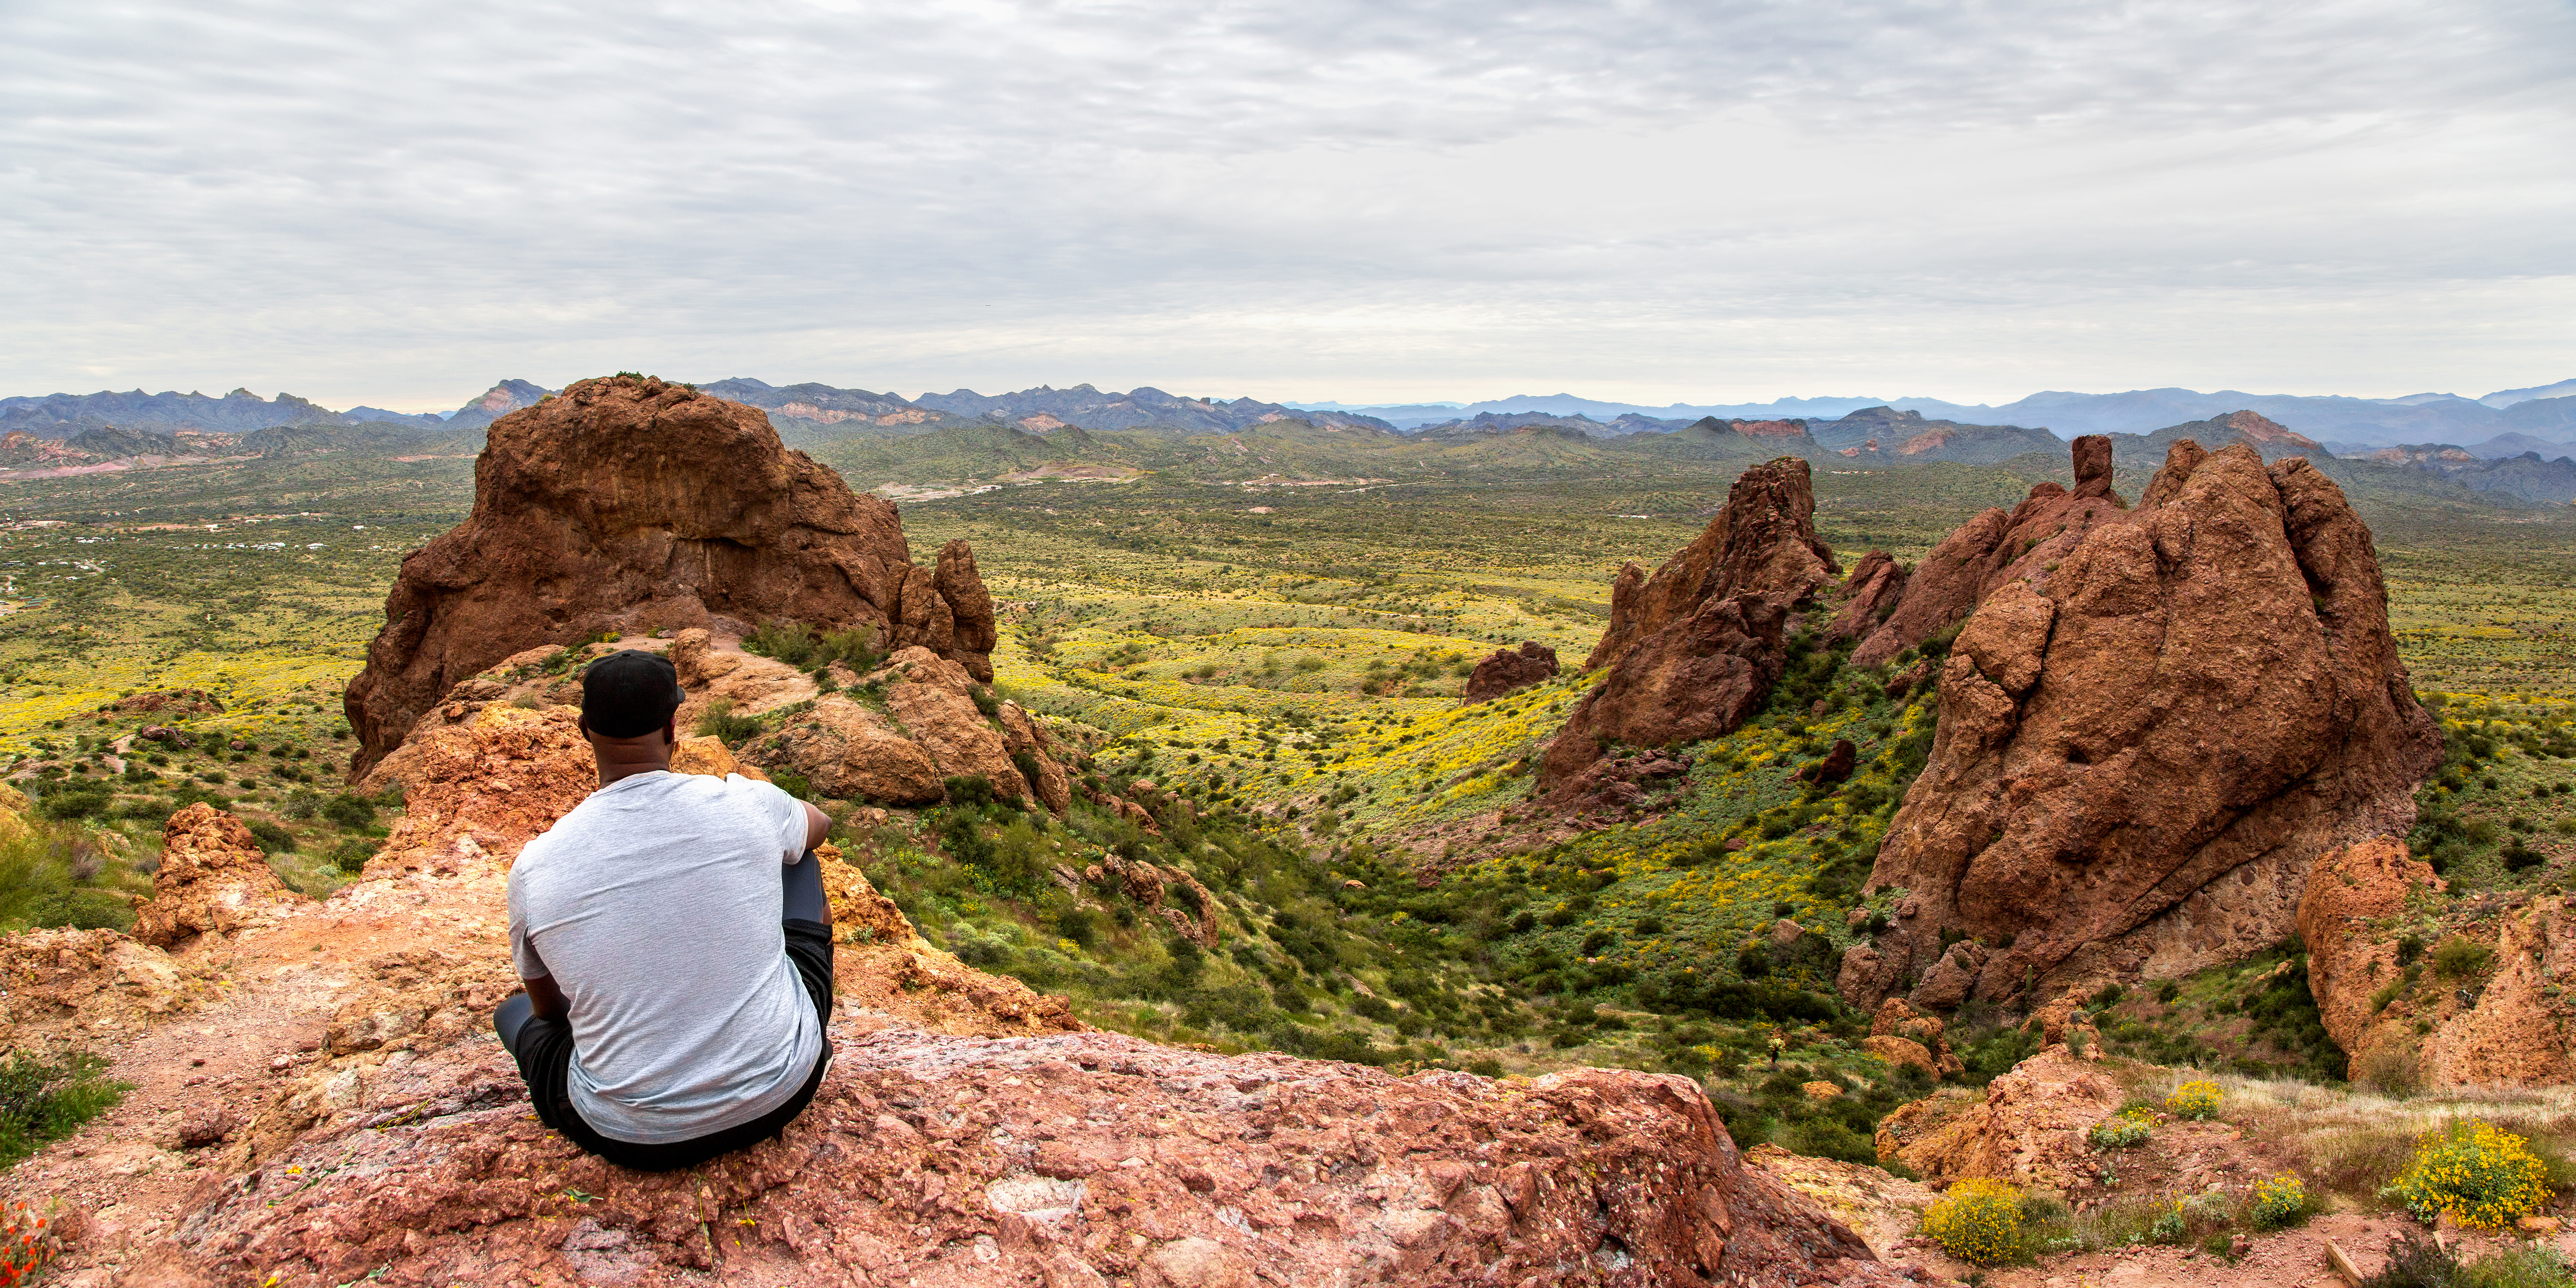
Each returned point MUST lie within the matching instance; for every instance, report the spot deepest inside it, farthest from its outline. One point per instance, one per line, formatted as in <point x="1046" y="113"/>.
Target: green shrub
<point x="351" y="812"/>
<point x="45" y="1100"/>
<point x="352" y="853"/>
<point x="272" y="838"/>
<point x="64" y="803"/>
<point x="2196" y="1099"/>
<point x="787" y="642"/>
<point x="2125" y="1130"/>
<point x="2483" y="1176"/>
<point x="1978" y="1221"/>
<point x="2280" y="1202"/>
<point x="2460" y="957"/>
<point x="719" y="722"/>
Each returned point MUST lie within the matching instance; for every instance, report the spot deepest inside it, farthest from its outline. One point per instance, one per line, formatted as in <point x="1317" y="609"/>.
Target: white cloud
<point x="399" y="203"/>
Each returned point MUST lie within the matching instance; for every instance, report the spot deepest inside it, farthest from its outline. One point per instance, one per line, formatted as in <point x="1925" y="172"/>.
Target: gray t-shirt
<point x="655" y="905"/>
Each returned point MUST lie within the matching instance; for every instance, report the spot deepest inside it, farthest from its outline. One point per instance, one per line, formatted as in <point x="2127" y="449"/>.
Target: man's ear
<point x="671" y="732"/>
<point x="582" y="723"/>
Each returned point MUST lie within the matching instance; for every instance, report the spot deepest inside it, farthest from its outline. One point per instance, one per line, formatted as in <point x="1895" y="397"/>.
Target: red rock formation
<point x="212" y="880"/>
<point x="1030" y="1160"/>
<point x="1835" y="767"/>
<point x="635" y="506"/>
<point x="2028" y="1129"/>
<point x="1509" y="670"/>
<point x="2349" y="893"/>
<point x="1762" y="542"/>
<point x="2140" y="757"/>
<point x="1872" y="591"/>
<point x="1693" y="651"/>
<point x="1995" y="548"/>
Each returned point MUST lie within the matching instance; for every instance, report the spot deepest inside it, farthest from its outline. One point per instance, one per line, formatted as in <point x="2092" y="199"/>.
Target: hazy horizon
<point x="1351" y="202"/>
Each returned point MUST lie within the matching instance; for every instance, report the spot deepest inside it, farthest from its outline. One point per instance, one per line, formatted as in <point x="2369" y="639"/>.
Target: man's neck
<point x="626" y="762"/>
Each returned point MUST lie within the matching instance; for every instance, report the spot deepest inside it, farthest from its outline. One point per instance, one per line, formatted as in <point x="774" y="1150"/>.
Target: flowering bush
<point x="2482" y="1175"/>
<point x="2196" y="1099"/>
<point x="2280" y="1201"/>
<point x="25" y="1246"/>
<point x="1978" y="1221"/>
<point x="2128" y="1128"/>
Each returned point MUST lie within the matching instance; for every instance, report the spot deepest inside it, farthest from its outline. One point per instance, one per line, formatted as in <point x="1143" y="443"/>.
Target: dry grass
<point x="2352" y="1142"/>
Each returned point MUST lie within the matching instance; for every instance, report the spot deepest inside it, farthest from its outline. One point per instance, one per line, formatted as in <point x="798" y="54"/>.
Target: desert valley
<point x="1277" y="845"/>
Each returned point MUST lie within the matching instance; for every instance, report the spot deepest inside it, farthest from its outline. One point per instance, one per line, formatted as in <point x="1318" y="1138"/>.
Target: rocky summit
<point x="327" y="1069"/>
<point x="634" y="506"/>
<point x="2147" y="743"/>
<point x="1693" y="650"/>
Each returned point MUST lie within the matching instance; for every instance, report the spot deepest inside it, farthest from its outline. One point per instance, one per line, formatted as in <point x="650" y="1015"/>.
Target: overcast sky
<point x="1372" y="201"/>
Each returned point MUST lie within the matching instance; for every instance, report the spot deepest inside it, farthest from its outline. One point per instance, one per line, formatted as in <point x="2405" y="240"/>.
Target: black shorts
<point x="543" y="1049"/>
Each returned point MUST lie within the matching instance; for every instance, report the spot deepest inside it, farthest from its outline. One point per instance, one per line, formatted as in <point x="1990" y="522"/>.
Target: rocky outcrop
<point x="980" y="1162"/>
<point x="2506" y="1023"/>
<point x="1762" y="542"/>
<point x="1901" y="1035"/>
<point x="1508" y="671"/>
<point x="1193" y="911"/>
<point x="1995" y="548"/>
<point x="850" y="752"/>
<point x="212" y="880"/>
<point x="1872" y="591"/>
<point x="477" y="789"/>
<point x="344" y="1089"/>
<point x="905" y="729"/>
<point x="2029" y="1128"/>
<point x="2351" y="895"/>
<point x="84" y="985"/>
<point x="631" y="506"/>
<point x="1691" y="652"/>
<point x="2141" y="756"/>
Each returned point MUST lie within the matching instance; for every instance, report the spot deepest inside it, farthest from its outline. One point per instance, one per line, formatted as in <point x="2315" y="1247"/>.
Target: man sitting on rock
<point x="675" y="942"/>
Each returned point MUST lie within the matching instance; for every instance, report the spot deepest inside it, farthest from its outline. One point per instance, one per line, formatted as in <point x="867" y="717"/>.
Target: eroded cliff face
<point x="635" y="506"/>
<point x="1692" y="651"/>
<point x="2141" y="757"/>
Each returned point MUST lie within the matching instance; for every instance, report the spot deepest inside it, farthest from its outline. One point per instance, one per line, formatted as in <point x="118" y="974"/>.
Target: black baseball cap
<point x="629" y="693"/>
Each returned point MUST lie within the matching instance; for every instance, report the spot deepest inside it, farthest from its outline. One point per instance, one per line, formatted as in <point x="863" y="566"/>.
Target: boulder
<point x="479" y="788"/>
<point x="1835" y="767"/>
<point x="1509" y="670"/>
<point x="79" y="985"/>
<point x="1692" y="652"/>
<point x="1900" y="1034"/>
<point x="929" y="696"/>
<point x="212" y="880"/>
<point x="745" y="683"/>
<point x="1994" y="548"/>
<point x="2141" y="754"/>
<point x="849" y="752"/>
<point x="2029" y="1128"/>
<point x="631" y="506"/>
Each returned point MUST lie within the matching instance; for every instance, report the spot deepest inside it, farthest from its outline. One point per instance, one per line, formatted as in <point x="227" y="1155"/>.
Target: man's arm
<point x="818" y="825"/>
<point x="545" y="1000"/>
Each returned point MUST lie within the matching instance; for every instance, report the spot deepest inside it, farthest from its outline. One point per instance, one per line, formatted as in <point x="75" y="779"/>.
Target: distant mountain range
<point x="2505" y="423"/>
<point x="2514" y="443"/>
<point x="2371" y="422"/>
